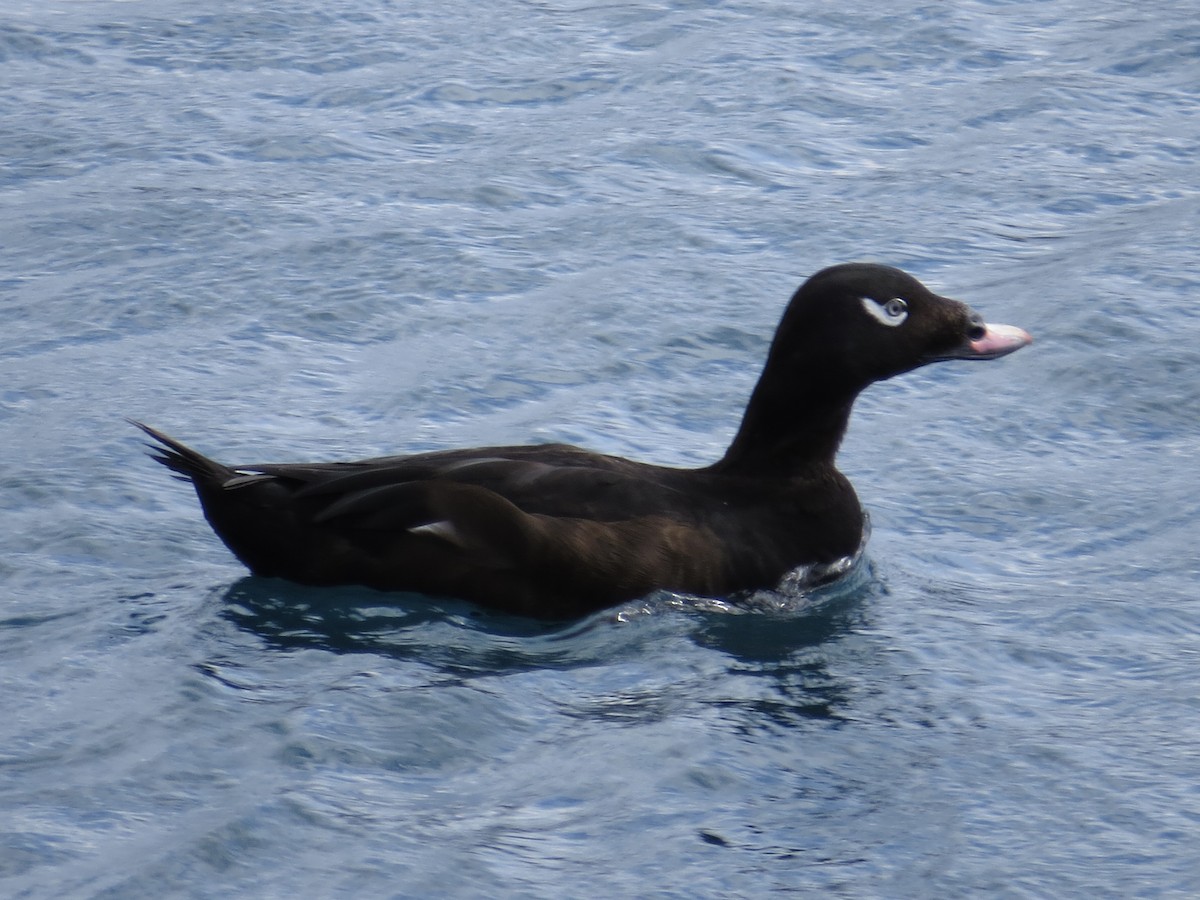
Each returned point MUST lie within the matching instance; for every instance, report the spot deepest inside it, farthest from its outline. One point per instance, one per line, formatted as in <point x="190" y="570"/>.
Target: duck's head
<point x="861" y="322"/>
<point x="845" y="328"/>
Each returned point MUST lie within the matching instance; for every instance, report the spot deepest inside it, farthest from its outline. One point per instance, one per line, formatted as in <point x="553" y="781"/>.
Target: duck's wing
<point x="549" y="531"/>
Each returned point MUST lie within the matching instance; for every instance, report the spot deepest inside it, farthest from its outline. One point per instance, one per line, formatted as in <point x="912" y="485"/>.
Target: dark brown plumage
<point x="556" y="531"/>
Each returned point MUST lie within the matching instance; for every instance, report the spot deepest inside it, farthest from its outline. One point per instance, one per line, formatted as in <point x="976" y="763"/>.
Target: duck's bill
<point x="996" y="341"/>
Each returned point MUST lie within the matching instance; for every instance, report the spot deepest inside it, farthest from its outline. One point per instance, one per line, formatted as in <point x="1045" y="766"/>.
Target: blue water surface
<point x="355" y="227"/>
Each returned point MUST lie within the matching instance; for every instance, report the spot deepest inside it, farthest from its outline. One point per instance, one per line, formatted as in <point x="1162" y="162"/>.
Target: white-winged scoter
<point x="555" y="531"/>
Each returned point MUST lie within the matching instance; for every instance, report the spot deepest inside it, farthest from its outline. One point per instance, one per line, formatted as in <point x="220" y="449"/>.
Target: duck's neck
<point x="789" y="429"/>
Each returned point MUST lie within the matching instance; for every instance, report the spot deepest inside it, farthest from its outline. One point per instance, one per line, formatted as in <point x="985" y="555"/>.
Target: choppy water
<point x="342" y="229"/>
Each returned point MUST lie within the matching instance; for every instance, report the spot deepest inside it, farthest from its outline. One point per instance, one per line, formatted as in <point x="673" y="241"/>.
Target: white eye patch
<point x="890" y="312"/>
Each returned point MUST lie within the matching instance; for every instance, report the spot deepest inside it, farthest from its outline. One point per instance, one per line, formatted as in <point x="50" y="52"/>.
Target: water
<point x="342" y="229"/>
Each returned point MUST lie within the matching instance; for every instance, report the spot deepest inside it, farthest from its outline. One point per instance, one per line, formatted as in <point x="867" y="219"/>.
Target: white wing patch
<point x="443" y="529"/>
<point x="243" y="478"/>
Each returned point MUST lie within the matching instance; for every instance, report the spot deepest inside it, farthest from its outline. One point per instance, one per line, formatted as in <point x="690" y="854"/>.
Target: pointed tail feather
<point x="182" y="459"/>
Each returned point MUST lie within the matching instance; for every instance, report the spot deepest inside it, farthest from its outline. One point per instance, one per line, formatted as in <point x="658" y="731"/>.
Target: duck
<point x="554" y="531"/>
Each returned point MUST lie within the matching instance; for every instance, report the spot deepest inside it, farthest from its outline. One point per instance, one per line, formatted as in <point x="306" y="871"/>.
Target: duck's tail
<point x="186" y="463"/>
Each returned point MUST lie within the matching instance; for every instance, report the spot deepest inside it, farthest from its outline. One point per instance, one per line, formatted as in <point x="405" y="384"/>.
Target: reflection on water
<point x="773" y="648"/>
<point x="762" y="626"/>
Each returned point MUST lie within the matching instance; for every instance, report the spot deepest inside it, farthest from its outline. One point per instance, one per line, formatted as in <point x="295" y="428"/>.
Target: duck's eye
<point x="890" y="312"/>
